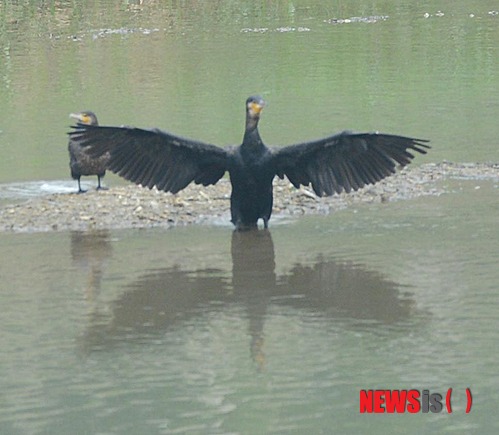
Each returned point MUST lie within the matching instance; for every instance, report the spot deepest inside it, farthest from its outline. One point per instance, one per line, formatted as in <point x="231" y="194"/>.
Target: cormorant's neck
<point x="251" y="135"/>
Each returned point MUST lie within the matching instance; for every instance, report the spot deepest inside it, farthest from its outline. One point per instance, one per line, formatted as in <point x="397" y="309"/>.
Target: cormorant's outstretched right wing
<point x="154" y="157"/>
<point x="346" y="161"/>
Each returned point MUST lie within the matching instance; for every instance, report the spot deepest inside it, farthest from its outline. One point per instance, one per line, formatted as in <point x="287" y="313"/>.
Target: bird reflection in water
<point x="164" y="299"/>
<point x="254" y="282"/>
<point x="90" y="252"/>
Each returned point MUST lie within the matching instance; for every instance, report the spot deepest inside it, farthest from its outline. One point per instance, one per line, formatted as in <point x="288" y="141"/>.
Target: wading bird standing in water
<point x="79" y="161"/>
<point x="343" y="162"/>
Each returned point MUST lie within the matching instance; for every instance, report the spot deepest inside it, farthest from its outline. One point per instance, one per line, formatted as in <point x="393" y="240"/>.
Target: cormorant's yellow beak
<point x="81" y="117"/>
<point x="255" y="107"/>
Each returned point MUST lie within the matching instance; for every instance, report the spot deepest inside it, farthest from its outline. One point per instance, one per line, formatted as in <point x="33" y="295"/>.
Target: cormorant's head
<point x="87" y="118"/>
<point x="254" y="106"/>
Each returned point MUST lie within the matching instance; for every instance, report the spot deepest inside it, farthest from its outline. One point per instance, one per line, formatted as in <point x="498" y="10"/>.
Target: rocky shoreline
<point x="132" y="206"/>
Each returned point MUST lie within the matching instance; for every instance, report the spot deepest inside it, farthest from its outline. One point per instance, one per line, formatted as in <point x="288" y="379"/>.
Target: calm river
<point x="199" y="330"/>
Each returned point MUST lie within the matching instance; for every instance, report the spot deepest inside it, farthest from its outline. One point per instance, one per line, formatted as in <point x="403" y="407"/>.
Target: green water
<point x="197" y="330"/>
<point x="189" y="67"/>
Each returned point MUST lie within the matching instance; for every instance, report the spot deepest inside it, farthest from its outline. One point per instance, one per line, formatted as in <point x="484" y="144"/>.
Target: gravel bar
<point x="132" y="206"/>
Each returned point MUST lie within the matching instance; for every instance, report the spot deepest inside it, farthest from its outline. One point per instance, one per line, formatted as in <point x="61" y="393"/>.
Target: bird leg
<point x="80" y="190"/>
<point x="265" y="223"/>
<point x="99" y="186"/>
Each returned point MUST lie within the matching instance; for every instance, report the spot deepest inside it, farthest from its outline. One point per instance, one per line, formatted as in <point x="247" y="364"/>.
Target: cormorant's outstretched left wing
<point x="154" y="157"/>
<point x="346" y="161"/>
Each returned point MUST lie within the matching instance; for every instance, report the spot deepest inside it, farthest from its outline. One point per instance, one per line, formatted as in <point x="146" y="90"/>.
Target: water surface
<point x="199" y="330"/>
<point x="207" y="331"/>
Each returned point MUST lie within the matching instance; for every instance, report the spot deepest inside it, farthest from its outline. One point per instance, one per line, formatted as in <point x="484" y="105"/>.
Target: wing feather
<point x="346" y="161"/>
<point x="150" y="171"/>
<point x="154" y="157"/>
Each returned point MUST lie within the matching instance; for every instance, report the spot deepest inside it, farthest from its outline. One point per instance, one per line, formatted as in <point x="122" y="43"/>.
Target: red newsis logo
<point x="412" y="401"/>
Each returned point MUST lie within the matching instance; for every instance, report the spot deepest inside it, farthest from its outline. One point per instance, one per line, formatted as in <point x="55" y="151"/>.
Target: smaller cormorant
<point x="82" y="163"/>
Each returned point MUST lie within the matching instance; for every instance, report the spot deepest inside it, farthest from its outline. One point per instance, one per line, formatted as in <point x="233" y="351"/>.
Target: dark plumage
<point x="82" y="163"/>
<point x="343" y="162"/>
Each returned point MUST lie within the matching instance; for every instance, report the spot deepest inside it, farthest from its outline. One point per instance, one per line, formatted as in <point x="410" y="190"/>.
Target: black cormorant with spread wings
<point x="343" y="162"/>
<point x="80" y="162"/>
